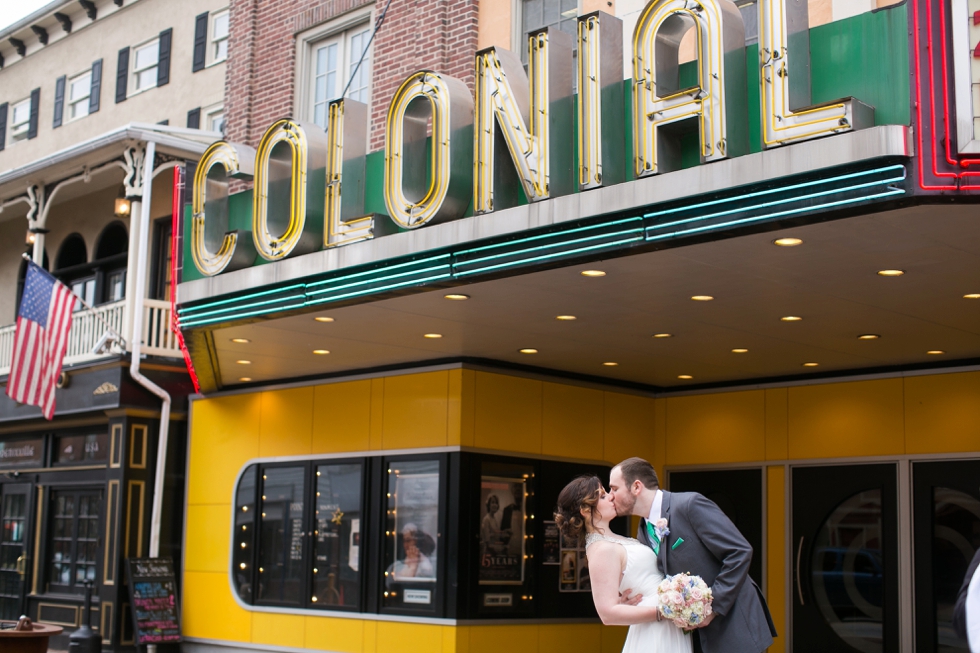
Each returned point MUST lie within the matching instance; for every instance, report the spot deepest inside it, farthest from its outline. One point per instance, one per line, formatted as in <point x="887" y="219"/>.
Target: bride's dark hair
<point x="583" y="492"/>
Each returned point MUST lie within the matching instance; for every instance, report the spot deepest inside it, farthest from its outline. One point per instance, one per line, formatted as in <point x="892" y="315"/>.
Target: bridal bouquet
<point x="684" y="599"/>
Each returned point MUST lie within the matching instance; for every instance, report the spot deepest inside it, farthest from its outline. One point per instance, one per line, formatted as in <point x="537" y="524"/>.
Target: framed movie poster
<point x="416" y="510"/>
<point x="574" y="573"/>
<point x="502" y="530"/>
<point x="552" y="545"/>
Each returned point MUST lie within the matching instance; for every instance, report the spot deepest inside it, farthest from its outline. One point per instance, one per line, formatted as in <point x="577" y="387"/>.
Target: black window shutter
<point x="95" y="97"/>
<point x="194" y="118"/>
<point x="3" y="126"/>
<point x="163" y="67"/>
<point x="122" y="75"/>
<point x="59" y="100"/>
<point x="200" y="42"/>
<point x="35" y="112"/>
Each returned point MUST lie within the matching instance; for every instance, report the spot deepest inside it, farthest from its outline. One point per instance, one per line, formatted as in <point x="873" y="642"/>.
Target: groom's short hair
<point x="637" y="469"/>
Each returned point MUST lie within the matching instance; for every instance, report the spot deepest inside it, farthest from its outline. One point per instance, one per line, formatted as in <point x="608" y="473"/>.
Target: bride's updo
<point x="583" y="492"/>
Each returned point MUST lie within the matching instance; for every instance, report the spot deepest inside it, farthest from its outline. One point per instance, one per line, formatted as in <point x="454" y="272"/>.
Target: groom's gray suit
<point x="705" y="542"/>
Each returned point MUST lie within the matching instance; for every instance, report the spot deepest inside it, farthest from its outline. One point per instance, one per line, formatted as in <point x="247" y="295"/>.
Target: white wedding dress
<point x="643" y="576"/>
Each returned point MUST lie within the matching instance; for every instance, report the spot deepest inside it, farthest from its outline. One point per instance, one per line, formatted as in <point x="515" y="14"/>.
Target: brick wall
<point x="438" y="35"/>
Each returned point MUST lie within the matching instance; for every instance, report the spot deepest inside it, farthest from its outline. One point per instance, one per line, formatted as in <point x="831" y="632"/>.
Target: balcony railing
<point x="87" y="329"/>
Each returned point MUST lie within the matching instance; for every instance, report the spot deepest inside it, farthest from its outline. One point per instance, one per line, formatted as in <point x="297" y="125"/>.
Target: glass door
<point x="845" y="559"/>
<point x="15" y="526"/>
<point x="946" y="522"/>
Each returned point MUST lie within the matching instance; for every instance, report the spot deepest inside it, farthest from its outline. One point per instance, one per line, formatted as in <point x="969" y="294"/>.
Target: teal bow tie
<point x="654" y="540"/>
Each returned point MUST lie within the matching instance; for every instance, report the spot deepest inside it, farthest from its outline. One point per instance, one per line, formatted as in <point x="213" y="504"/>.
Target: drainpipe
<point x="134" y="368"/>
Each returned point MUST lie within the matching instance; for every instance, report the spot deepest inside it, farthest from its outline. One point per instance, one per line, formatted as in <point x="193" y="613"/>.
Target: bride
<point x="617" y="563"/>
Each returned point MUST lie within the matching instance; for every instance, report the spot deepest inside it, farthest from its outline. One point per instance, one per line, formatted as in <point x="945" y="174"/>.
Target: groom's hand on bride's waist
<point x="628" y="598"/>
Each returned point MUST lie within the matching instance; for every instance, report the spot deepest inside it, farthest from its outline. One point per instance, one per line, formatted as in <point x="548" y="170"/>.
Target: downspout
<point x="134" y="368"/>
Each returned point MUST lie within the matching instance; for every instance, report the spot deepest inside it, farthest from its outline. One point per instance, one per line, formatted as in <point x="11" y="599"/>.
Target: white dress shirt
<point x="973" y="613"/>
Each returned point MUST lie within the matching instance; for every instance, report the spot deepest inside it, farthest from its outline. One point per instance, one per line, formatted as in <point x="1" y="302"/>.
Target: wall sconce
<point x="31" y="237"/>
<point x="122" y="207"/>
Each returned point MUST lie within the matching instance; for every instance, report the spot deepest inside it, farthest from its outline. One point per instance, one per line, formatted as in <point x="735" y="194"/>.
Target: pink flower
<point x="660" y="523"/>
<point x="677" y="598"/>
<point x="697" y="594"/>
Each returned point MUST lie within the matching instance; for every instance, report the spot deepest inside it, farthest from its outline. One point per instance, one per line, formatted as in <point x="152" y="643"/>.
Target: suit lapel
<point x="664" y="546"/>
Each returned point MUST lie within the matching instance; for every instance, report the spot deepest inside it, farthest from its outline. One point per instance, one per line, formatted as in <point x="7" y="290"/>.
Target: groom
<point x="697" y="538"/>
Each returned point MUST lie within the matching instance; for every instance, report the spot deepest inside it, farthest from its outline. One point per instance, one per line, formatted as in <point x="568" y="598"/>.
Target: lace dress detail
<point x="592" y="538"/>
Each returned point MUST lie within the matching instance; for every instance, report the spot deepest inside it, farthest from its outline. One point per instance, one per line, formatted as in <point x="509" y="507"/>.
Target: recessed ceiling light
<point x="565" y="318"/>
<point x="245" y="379"/>
<point x="810" y="364"/>
<point x="323" y="319"/>
<point x="610" y="364"/>
<point x="702" y="298"/>
<point x="528" y="350"/>
<point x="740" y="350"/>
<point x="791" y="318"/>
<point x="868" y="336"/>
<point x="433" y="335"/>
<point x="684" y="376"/>
<point x="244" y="362"/>
<point x="972" y="295"/>
<point x="890" y="273"/>
<point x="663" y="335"/>
<point x="457" y="297"/>
<point x="241" y="341"/>
<point x="935" y="352"/>
<point x="321" y="352"/>
<point x="788" y="242"/>
<point x="593" y="273"/>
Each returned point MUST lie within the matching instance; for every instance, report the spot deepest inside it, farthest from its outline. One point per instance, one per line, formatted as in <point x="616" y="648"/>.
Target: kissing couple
<point x="679" y="532"/>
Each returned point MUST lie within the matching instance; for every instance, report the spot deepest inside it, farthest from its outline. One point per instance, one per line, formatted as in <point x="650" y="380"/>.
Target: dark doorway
<point x="845" y="559"/>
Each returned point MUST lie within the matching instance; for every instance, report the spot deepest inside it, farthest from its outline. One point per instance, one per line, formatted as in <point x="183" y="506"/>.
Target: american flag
<point x="41" y="339"/>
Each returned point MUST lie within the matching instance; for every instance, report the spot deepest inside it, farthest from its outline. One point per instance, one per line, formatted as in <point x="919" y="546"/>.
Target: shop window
<point x="337" y="536"/>
<point x="219" y="36"/>
<point x="334" y="58"/>
<point x="283" y="538"/>
<point x="243" y="546"/>
<point x="79" y="93"/>
<point x="146" y="58"/>
<point x="73" y="542"/>
<point x="81" y="448"/>
<point x="20" y="119"/>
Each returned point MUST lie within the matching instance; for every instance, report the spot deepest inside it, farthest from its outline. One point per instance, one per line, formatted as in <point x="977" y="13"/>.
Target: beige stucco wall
<point x="136" y="22"/>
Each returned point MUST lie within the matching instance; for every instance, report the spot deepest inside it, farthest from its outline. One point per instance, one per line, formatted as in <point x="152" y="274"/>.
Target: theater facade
<point x="415" y="313"/>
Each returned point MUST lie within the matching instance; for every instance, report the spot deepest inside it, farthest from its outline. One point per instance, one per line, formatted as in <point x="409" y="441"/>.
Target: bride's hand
<point x="628" y="598"/>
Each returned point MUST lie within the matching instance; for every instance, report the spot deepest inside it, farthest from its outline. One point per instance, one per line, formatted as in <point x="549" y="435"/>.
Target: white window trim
<point x="133" y="72"/>
<point x="66" y="109"/>
<point x="26" y="124"/>
<point x="302" y="99"/>
<point x="207" y="113"/>
<point x="210" y="58"/>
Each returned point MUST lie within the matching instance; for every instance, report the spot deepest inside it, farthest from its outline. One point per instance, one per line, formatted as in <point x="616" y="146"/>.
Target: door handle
<point x="799" y="585"/>
<point x="22" y="565"/>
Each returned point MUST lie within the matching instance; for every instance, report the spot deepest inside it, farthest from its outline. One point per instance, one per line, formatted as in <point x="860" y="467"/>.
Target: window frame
<point x="306" y="45"/>
<point x="134" y="72"/>
<point x="13" y="135"/>
<point x="213" y="42"/>
<point x="209" y="116"/>
<point x="84" y="101"/>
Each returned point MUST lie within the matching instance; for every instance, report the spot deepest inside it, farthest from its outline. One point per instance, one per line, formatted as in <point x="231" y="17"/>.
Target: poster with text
<point x="502" y="506"/>
<point x="416" y="512"/>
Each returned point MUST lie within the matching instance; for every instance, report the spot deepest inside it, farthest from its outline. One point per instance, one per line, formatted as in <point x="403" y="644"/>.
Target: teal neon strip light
<point x="798" y="198"/>
<point x="551" y="235"/>
<point x="191" y="309"/>
<point x="807" y="184"/>
<point x="768" y="216"/>
<point x="450" y="265"/>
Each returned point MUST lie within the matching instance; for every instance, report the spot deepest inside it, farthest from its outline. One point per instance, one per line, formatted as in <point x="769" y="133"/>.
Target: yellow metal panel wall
<point x="409" y="638"/>
<point x="942" y="413"/>
<point x="415" y="410"/>
<point x="340" y="635"/>
<point x="287" y="422"/>
<point x="716" y="428"/>
<point x="508" y="413"/>
<point x="863" y="418"/>
<point x="211" y="525"/>
<point x="278" y="629"/>
<point x="628" y="427"/>
<point x="777" y="423"/>
<point x="572" y="424"/>
<point x="224" y="435"/>
<point x="208" y="609"/>
<point x="342" y="416"/>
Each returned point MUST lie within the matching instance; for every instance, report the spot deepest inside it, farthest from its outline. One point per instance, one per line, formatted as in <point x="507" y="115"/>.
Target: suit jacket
<point x="705" y="542"/>
<point x="959" y="612"/>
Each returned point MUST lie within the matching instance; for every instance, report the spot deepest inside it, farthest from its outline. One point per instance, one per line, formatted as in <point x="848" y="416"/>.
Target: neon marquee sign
<point x="309" y="183"/>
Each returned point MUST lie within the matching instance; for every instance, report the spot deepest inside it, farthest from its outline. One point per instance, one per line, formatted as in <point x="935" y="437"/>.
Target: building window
<point x="74" y="538"/>
<point x="79" y="92"/>
<point x="335" y="58"/>
<point x="538" y="14"/>
<point x="84" y="289"/>
<point x="219" y="36"/>
<point x="20" y="120"/>
<point x="215" y="120"/>
<point x="162" y="259"/>
<point x="146" y="59"/>
<point x="750" y="17"/>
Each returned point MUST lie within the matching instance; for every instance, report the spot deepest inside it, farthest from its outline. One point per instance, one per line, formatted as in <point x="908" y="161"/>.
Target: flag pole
<point x="91" y="308"/>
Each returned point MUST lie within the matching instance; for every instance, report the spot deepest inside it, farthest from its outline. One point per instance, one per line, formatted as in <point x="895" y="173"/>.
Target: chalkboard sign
<point x="153" y="597"/>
